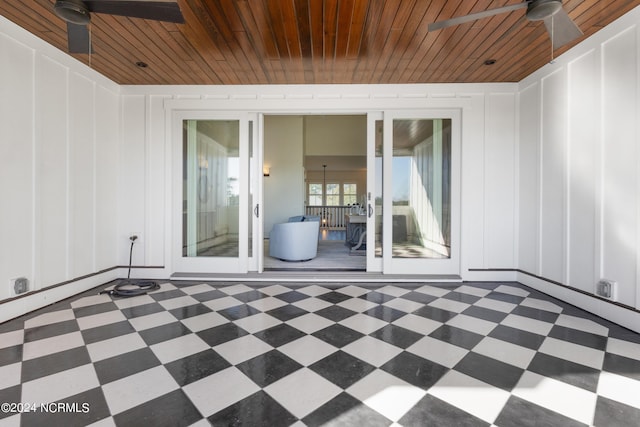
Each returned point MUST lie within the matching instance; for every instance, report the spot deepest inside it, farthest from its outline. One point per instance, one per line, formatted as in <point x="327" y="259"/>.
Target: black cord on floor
<point x="131" y="288"/>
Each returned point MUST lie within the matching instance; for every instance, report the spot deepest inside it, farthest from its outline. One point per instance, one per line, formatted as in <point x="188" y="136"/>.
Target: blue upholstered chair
<point x="295" y="240"/>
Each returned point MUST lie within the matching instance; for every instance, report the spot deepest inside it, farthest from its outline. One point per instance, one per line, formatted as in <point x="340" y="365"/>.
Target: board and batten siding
<point x="579" y="172"/>
<point x="59" y="137"/>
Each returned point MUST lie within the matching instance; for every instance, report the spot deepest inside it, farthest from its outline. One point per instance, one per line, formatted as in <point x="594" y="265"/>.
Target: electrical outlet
<point x="138" y="237"/>
<point x="607" y="289"/>
<point x="18" y="286"/>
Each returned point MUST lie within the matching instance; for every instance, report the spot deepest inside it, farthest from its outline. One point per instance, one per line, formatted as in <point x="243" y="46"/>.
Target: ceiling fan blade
<point x="473" y="16"/>
<point x="157" y="10"/>
<point x="561" y="29"/>
<point x="78" y="38"/>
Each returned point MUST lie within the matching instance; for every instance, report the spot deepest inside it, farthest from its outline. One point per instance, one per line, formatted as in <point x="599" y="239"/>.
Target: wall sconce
<point x="266" y="171"/>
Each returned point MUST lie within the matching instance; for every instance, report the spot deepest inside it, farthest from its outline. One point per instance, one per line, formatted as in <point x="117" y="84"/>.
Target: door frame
<point x="256" y="176"/>
<point x="208" y="265"/>
<point x="374" y="264"/>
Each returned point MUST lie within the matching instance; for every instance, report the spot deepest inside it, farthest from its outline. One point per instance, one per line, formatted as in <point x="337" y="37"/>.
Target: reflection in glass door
<point x="421" y="195"/>
<point x="211" y="172"/>
<point x="421" y="218"/>
<point x="211" y="166"/>
<point x="378" y="189"/>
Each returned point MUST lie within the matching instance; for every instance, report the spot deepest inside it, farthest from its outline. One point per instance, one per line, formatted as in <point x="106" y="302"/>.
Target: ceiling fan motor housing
<point x="74" y="11"/>
<point x="539" y="10"/>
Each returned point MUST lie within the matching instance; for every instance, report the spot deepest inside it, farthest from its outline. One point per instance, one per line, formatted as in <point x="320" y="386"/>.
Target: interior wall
<point x="579" y="168"/>
<point x="335" y="135"/>
<point x="284" y="188"/>
<point x="59" y="134"/>
<point x="340" y="142"/>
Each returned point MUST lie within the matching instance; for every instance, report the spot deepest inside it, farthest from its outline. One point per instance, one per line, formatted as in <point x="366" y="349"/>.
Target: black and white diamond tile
<point x="309" y="354"/>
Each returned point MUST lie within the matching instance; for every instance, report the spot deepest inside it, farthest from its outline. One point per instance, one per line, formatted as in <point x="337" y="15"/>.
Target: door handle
<point x="370" y="210"/>
<point x="256" y="211"/>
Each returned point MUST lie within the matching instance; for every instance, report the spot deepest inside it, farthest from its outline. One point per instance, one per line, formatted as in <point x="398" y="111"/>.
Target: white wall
<point x="488" y="187"/>
<point x="488" y="213"/>
<point x="284" y="188"/>
<point x="579" y="169"/>
<point x="59" y="133"/>
<point x="142" y="181"/>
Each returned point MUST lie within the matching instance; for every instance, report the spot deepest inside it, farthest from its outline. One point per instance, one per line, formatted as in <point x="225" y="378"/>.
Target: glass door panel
<point x="423" y="193"/>
<point x="421" y="222"/>
<point x="213" y="192"/>
<point x="211" y="179"/>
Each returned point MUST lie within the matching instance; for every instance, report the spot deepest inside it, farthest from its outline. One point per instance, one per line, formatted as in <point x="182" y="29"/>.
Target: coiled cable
<point x="130" y="288"/>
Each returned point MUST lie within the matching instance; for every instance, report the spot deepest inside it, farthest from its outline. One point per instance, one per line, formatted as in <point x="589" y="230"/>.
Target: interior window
<point x="315" y="194"/>
<point x="349" y="193"/>
<point x="333" y="194"/>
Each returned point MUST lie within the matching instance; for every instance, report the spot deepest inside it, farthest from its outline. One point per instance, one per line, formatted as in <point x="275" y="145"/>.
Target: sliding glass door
<point x="213" y="194"/>
<point x="422" y="190"/>
<point x="412" y="200"/>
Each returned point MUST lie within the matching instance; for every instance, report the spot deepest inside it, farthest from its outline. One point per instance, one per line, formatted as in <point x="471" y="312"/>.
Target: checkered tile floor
<point x="306" y="354"/>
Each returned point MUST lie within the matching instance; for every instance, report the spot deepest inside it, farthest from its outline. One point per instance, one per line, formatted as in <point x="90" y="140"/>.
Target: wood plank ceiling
<point x="316" y="41"/>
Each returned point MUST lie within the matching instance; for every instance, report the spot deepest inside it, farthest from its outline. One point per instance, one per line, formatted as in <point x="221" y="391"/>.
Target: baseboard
<point x="320" y="277"/>
<point x="26" y="303"/>
<point x="490" y="275"/>
<point x="626" y="316"/>
<point x="34" y="300"/>
<point x="144" y="272"/>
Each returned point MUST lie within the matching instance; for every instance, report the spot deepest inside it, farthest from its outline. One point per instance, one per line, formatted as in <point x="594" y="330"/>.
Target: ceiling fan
<point x="77" y="14"/>
<point x="560" y="26"/>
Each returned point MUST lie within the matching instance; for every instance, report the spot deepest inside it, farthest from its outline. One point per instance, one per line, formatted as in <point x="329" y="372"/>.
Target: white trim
<point x="598" y="252"/>
<point x="374" y="264"/>
<point x="540" y="176"/>
<point x="170" y="197"/>
<point x="342" y="97"/>
<point x="19" y="306"/>
<point x="566" y="188"/>
<point x="516" y="189"/>
<point x="36" y="148"/>
<point x="638" y="165"/>
<point x="616" y="314"/>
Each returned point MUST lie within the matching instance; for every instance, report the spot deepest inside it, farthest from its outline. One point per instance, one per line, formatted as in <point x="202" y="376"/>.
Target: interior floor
<point x="281" y="354"/>
<point x="333" y="254"/>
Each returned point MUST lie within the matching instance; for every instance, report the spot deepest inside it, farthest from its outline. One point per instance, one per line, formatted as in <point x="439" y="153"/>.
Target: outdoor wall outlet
<point x="606" y="288"/>
<point x="19" y="286"/>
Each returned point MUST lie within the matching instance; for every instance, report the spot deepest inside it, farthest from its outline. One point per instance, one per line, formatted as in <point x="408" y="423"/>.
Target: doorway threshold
<point x="317" y="276"/>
